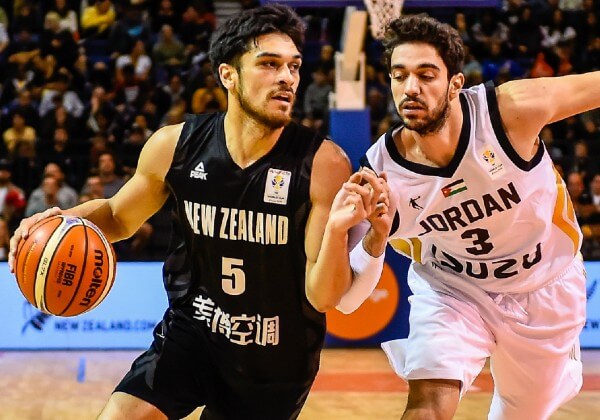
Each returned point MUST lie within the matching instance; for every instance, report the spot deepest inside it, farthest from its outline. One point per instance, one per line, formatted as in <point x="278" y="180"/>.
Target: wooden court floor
<point x="352" y="384"/>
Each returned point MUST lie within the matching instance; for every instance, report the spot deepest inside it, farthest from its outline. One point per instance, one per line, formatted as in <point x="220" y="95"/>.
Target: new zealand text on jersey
<point x="470" y="211"/>
<point x="237" y="224"/>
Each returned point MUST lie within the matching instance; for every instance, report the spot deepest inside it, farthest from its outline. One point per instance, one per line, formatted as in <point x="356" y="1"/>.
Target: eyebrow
<point x="419" y="67"/>
<point x="275" y="55"/>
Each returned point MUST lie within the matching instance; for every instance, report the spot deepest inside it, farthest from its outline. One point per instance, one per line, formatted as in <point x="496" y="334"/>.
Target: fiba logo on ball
<point x="66" y="266"/>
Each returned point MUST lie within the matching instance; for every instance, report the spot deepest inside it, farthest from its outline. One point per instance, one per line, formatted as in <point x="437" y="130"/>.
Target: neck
<point x="247" y="139"/>
<point x="433" y="149"/>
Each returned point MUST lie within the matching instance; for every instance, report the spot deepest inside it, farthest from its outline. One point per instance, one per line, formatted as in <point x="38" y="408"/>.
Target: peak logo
<point x="198" y="172"/>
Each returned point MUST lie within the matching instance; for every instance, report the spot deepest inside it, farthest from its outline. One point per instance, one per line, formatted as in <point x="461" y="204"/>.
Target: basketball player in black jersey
<point x="260" y="245"/>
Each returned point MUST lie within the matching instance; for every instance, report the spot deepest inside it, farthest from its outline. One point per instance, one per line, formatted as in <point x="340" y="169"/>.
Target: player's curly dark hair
<point x="422" y="28"/>
<point x="237" y="35"/>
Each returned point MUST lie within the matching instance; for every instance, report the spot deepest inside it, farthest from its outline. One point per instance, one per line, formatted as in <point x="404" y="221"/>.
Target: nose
<point x="285" y="76"/>
<point x="411" y="86"/>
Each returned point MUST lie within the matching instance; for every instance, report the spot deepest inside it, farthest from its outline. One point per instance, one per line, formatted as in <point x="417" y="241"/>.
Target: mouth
<point x="286" y="97"/>
<point x="412" y="106"/>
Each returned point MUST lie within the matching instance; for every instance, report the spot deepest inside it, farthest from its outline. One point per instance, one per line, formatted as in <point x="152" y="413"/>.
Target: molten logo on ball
<point x="96" y="279"/>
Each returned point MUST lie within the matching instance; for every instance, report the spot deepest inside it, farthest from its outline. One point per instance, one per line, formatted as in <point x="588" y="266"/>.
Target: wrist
<point x="374" y="243"/>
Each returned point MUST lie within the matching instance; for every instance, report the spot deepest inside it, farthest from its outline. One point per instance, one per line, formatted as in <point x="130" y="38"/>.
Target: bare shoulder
<point x="524" y="110"/>
<point x="331" y="168"/>
<point x="157" y="154"/>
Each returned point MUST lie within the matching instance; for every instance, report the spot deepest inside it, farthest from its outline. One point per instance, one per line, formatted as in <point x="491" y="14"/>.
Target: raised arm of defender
<point x="527" y="105"/>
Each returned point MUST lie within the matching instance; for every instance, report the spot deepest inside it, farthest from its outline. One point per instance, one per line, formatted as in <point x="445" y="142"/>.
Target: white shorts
<point x="532" y="339"/>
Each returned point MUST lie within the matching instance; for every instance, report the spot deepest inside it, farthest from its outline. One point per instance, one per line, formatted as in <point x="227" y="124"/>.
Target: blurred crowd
<point x="86" y="82"/>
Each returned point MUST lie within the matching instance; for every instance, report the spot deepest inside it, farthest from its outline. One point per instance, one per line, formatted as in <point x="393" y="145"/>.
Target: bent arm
<point x="144" y="194"/>
<point x="328" y="273"/>
<point x="527" y="105"/>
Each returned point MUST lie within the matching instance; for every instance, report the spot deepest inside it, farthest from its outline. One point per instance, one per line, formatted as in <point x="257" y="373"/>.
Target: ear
<point x="456" y="83"/>
<point x="228" y="75"/>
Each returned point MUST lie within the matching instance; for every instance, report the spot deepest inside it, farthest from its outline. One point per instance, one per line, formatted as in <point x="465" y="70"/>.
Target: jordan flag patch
<point x="454" y="188"/>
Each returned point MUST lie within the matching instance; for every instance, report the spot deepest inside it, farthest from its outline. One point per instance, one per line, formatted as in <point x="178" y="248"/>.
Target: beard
<point x="262" y="116"/>
<point x="433" y="121"/>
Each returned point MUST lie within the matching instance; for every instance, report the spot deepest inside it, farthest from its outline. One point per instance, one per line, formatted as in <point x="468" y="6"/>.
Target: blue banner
<point x="136" y="303"/>
<point x="124" y="320"/>
<point x="590" y="336"/>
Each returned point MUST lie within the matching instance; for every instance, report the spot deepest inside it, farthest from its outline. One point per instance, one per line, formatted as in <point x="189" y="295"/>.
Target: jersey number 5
<point x="480" y="240"/>
<point x="234" y="278"/>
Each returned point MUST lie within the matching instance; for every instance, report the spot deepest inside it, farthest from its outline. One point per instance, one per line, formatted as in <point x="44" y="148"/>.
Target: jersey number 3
<point x="480" y="240"/>
<point x="234" y="278"/>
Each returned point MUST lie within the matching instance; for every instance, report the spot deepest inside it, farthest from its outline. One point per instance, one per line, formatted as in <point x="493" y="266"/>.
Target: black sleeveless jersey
<point x="235" y="273"/>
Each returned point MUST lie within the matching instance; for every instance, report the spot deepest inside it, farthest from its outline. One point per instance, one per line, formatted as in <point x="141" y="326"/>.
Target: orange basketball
<point x="66" y="266"/>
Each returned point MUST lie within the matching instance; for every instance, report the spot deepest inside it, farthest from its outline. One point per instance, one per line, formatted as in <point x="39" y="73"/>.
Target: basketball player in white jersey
<point x="489" y="226"/>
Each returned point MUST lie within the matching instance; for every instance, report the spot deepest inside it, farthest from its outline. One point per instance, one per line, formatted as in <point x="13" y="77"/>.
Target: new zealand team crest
<point x="277" y="186"/>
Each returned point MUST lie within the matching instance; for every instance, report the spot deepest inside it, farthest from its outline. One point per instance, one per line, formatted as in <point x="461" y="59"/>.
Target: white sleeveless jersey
<point x="489" y="218"/>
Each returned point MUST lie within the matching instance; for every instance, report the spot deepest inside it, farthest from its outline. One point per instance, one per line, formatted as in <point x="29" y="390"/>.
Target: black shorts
<point x="177" y="377"/>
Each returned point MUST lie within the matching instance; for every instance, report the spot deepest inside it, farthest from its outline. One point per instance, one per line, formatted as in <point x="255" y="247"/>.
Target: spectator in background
<point x="59" y="93"/>
<point x="25" y="106"/>
<point x="18" y="132"/>
<point x="106" y="170"/>
<point x="99" y="104"/>
<point x="196" y="27"/>
<point x="174" y="89"/>
<point x="582" y="202"/>
<point x="581" y="162"/>
<point x="165" y="15"/>
<point x="316" y="100"/>
<point x="67" y="154"/>
<point x="92" y="189"/>
<point x="4" y="43"/>
<point x="129" y="90"/>
<point x="489" y="30"/>
<point x="209" y="98"/>
<point x="97" y="18"/>
<point x="67" y="17"/>
<point x="128" y="30"/>
<point x="26" y="18"/>
<point x="44" y="197"/>
<point x="168" y="52"/>
<point x="525" y="37"/>
<point x="138" y="58"/>
<point x="26" y="169"/>
<point x="595" y="191"/>
<point x="12" y="198"/>
<point x="463" y="28"/>
<point x="58" y="42"/>
<point x="66" y="194"/>
<point x="57" y="118"/>
<point x="131" y="149"/>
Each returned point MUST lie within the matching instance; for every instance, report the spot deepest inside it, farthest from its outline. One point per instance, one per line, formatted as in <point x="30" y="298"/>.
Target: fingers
<point x="22" y="232"/>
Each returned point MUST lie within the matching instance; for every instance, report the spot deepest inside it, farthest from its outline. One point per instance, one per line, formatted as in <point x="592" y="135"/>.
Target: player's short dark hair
<point x="422" y="28"/>
<point x="237" y="35"/>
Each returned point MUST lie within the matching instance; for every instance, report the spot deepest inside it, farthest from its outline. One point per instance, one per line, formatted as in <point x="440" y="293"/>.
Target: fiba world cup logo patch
<point x="277" y="186"/>
<point x="491" y="161"/>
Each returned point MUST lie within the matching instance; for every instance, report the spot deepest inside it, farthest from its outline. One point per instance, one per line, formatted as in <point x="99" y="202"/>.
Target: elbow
<point x="321" y="303"/>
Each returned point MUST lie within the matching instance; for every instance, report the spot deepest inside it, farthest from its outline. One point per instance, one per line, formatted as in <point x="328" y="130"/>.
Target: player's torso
<point x="243" y="230"/>
<point x="489" y="217"/>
